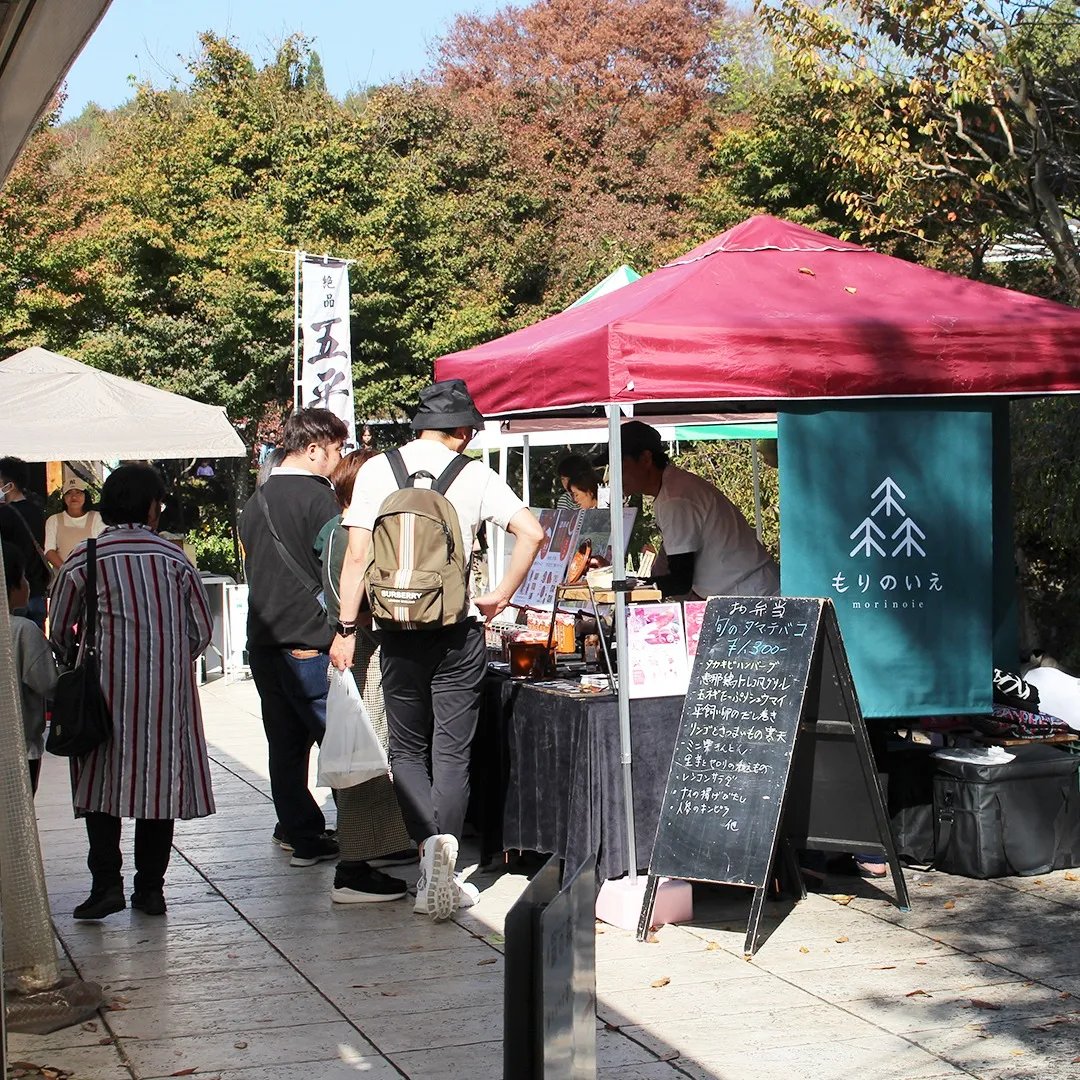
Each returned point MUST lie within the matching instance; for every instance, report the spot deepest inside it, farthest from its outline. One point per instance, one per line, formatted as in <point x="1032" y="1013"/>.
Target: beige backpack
<point x="418" y="577"/>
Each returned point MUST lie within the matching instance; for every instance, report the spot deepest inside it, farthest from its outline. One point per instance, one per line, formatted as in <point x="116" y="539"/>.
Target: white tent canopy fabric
<point x="56" y="409"/>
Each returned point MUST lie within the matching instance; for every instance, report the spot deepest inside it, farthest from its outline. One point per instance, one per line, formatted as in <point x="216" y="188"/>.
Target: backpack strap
<point x="450" y="474"/>
<point x="397" y="466"/>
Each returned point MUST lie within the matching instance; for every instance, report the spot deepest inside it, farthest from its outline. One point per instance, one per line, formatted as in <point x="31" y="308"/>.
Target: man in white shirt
<point x="711" y="549"/>
<point x="432" y="678"/>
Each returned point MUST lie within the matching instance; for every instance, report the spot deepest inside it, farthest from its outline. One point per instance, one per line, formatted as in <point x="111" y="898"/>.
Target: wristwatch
<point x="345" y="629"/>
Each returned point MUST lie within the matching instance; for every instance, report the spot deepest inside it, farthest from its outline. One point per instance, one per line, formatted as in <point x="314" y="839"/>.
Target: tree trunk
<point x="1053" y="227"/>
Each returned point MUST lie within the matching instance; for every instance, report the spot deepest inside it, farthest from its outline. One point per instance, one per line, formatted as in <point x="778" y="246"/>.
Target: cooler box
<point x="1022" y="817"/>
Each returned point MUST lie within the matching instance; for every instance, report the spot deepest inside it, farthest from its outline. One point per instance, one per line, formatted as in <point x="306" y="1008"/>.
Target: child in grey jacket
<point x="35" y="668"/>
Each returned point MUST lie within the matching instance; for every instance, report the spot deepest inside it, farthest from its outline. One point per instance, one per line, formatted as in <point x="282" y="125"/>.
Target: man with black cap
<point x="432" y="677"/>
<point x="709" y="546"/>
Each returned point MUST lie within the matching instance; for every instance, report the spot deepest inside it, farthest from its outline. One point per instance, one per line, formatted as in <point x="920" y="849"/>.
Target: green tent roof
<point x="615" y="280"/>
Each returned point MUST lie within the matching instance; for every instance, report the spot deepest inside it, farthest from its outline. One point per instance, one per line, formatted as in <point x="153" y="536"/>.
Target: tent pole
<point x="500" y="543"/>
<point x="525" y="478"/>
<point x="298" y="375"/>
<point x="757" y="486"/>
<point x="493" y="576"/>
<point x="618" y="547"/>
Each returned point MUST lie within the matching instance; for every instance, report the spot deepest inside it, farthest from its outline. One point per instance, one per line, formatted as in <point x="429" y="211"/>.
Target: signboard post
<point x="549" y="1010"/>
<point x="772" y="755"/>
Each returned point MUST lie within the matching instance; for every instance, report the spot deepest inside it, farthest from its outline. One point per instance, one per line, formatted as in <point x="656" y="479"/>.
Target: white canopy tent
<point x="56" y="409"/>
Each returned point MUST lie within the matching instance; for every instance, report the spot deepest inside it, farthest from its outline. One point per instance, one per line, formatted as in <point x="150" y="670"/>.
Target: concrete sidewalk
<point x="254" y="975"/>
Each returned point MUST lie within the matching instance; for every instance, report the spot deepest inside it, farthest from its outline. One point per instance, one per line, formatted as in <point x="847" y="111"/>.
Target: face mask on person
<point x="5" y="491"/>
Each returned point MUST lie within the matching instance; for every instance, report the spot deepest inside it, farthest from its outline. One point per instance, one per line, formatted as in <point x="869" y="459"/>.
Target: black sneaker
<point x="101" y="903"/>
<point x="405" y="857"/>
<point x="363" y="885"/>
<point x="152" y="903"/>
<point x="321" y="850"/>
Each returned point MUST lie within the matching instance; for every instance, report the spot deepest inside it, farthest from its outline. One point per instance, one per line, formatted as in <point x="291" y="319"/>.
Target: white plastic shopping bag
<point x="351" y="752"/>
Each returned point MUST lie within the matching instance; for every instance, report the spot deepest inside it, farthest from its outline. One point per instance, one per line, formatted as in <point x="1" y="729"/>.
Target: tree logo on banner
<point x="889" y="533"/>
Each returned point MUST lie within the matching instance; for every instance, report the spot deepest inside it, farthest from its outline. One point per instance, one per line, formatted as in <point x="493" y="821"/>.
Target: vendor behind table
<point x="710" y="548"/>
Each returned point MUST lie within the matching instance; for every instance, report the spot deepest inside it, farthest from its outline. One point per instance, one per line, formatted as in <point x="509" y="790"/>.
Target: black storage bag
<point x="911" y="802"/>
<point x="1022" y="817"/>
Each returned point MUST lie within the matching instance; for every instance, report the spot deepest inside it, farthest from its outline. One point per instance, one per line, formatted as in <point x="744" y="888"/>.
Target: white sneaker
<point x="440" y="895"/>
<point x="423" y="882"/>
<point x="467" y="894"/>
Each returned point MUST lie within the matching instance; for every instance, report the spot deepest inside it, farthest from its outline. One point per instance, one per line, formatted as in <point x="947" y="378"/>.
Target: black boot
<point x="149" y="903"/>
<point x="101" y="902"/>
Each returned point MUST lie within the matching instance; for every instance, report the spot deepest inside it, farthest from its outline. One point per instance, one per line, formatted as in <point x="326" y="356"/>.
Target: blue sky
<point x="361" y="42"/>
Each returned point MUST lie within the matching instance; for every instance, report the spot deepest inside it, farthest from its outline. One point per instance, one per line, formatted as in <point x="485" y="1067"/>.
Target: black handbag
<point x="80" y="715"/>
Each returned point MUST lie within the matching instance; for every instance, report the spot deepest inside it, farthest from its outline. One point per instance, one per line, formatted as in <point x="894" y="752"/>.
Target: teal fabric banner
<point x="888" y="511"/>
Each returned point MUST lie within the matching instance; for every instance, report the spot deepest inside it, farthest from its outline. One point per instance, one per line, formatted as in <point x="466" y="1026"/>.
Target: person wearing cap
<point x="74" y="524"/>
<point x="710" y="548"/>
<point x="432" y="678"/>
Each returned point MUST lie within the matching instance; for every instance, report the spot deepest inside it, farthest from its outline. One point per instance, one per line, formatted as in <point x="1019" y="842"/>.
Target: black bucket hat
<point x="445" y="405"/>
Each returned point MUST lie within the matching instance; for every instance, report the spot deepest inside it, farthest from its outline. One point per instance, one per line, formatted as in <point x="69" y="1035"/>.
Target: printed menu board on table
<point x="596" y="528"/>
<point x="694" y="614"/>
<point x="549" y="567"/>
<point x="656" y="651"/>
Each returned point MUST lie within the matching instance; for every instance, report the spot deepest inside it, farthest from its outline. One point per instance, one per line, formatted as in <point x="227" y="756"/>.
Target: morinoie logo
<point x="397" y="594"/>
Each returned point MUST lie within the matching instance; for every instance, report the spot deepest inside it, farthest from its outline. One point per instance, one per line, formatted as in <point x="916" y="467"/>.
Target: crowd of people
<point x="315" y="534"/>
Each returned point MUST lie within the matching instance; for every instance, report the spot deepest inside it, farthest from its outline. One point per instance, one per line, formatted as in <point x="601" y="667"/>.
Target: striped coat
<point x="154" y="621"/>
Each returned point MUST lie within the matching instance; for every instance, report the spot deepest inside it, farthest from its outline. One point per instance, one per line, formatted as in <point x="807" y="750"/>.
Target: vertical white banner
<point x="326" y="380"/>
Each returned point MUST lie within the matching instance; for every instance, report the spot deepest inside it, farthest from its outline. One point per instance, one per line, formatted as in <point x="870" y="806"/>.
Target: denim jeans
<point x="293" y="694"/>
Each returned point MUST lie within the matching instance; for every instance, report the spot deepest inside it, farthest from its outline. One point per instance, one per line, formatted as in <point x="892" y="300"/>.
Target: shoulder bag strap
<point x="397" y="466"/>
<point x="33" y="540"/>
<point x="91" y="620"/>
<point x="303" y="576"/>
<point x="450" y="474"/>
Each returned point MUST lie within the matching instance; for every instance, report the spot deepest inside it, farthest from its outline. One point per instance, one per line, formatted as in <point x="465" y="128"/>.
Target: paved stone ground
<point x="254" y="975"/>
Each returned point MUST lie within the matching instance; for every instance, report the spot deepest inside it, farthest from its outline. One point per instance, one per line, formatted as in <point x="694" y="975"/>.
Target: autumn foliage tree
<point x="954" y="115"/>
<point x="607" y="105"/>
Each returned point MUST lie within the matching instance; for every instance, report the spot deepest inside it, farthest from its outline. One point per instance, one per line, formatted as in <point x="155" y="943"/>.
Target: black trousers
<point x="293" y="695"/>
<point x="153" y="846"/>
<point x="432" y="680"/>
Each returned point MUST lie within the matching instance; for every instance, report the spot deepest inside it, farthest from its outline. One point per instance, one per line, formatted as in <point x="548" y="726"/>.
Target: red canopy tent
<point x="772" y="310"/>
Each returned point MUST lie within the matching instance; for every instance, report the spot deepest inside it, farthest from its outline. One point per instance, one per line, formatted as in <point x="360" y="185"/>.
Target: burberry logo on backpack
<point x="418" y="577"/>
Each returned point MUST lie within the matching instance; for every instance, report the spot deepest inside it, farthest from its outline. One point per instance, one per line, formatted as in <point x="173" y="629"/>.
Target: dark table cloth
<point x="548" y="775"/>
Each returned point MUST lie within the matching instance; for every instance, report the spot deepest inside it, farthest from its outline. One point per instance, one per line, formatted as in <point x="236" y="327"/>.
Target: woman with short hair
<point x="583" y="487"/>
<point x="153" y="622"/>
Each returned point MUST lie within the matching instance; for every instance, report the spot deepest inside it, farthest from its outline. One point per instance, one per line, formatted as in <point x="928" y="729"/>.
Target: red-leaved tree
<point x="606" y="103"/>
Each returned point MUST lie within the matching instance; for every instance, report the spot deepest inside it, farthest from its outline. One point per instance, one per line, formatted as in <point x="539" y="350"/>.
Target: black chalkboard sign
<point x="772" y="753"/>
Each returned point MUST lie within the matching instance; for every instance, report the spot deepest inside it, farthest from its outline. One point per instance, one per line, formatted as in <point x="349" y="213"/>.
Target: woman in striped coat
<point x="154" y="620"/>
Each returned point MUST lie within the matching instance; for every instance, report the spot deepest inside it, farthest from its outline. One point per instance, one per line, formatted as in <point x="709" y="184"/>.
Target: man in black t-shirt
<point x="22" y="522"/>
